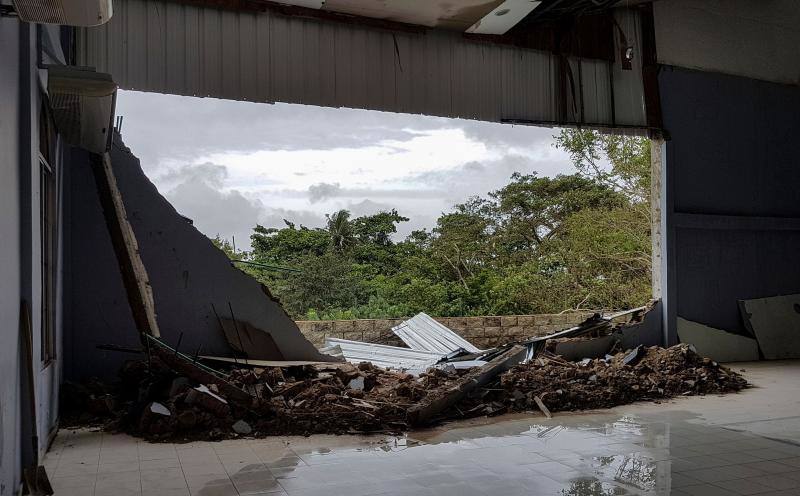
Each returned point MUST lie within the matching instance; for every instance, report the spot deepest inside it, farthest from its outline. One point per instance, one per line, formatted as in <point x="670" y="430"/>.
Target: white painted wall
<point x="755" y="39"/>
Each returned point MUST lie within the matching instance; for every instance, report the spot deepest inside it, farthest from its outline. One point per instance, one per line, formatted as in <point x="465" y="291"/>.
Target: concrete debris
<point x="155" y="419"/>
<point x="389" y="389"/>
<point x="242" y="427"/>
<point x="340" y="398"/>
<point x="203" y="397"/>
<point x="436" y="402"/>
<point x="356" y="384"/>
<point x="660" y="373"/>
<point x="159" y="409"/>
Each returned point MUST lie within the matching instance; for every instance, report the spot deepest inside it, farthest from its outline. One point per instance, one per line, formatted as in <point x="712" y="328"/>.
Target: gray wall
<point x="732" y="202"/>
<point x="187" y="274"/>
<point x="20" y="255"/>
<point x="10" y="257"/>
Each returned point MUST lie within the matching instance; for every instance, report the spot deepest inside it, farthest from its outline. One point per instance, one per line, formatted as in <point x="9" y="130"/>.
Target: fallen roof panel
<point x="421" y="332"/>
<point x="382" y="355"/>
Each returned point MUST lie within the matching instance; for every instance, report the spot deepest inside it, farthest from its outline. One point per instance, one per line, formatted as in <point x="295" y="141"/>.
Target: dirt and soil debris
<point x="153" y="401"/>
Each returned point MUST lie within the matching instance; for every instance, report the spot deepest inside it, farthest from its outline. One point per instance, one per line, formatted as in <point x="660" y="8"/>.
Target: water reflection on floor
<point x="570" y="455"/>
<point x="597" y="455"/>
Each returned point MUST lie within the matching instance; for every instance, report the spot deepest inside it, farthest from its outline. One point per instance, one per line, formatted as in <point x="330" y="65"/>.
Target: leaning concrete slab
<point x="188" y="275"/>
<point x="775" y="322"/>
<point x="646" y="328"/>
<point x="717" y="344"/>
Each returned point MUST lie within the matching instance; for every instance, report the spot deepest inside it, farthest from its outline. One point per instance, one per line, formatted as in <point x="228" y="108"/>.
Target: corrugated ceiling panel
<point x="628" y="88"/>
<point x="180" y="49"/>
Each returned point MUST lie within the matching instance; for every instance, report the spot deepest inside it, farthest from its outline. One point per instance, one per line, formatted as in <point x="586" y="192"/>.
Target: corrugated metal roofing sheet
<point x="421" y="332"/>
<point x="167" y="47"/>
<point x="382" y="355"/>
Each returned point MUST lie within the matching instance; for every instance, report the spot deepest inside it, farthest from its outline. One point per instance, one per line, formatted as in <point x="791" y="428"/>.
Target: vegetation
<point x="537" y="245"/>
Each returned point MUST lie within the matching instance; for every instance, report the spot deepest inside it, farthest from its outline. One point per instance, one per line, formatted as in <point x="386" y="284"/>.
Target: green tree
<point x="283" y="246"/>
<point x="531" y="209"/>
<point x="536" y="245"/>
<point x="619" y="162"/>
<point x="340" y="230"/>
<point x="377" y="229"/>
<point x="224" y="245"/>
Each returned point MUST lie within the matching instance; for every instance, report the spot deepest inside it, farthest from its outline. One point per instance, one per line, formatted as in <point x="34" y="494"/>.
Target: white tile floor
<point x="737" y="444"/>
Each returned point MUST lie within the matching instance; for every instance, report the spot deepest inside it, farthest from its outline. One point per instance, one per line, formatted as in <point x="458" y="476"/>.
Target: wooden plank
<point x="435" y="403"/>
<point x="261" y="363"/>
<point x="542" y="407"/>
<point x="123" y="239"/>
<point x="194" y="370"/>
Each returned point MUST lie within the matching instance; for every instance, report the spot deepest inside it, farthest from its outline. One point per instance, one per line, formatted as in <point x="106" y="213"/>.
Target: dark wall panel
<point x="718" y="267"/>
<point x="187" y="273"/>
<point x="734" y="144"/>
<point x="731" y="152"/>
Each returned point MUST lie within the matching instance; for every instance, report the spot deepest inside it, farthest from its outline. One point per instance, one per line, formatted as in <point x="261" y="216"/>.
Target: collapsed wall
<point x="188" y="274"/>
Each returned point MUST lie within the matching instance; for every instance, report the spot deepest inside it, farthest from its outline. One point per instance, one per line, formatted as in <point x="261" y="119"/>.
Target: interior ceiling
<point x="456" y="15"/>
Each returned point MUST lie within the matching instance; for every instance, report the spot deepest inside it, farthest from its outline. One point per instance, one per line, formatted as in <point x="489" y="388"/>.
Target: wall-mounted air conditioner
<point x="66" y="12"/>
<point x="82" y="102"/>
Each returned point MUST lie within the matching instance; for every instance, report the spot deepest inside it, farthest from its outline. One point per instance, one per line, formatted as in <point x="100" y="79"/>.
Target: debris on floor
<point x="156" y="400"/>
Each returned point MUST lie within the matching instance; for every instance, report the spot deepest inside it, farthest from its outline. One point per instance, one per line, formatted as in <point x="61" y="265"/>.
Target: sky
<point x="231" y="165"/>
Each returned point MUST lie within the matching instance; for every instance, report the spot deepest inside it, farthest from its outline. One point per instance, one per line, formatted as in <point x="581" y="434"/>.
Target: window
<point x="47" y="227"/>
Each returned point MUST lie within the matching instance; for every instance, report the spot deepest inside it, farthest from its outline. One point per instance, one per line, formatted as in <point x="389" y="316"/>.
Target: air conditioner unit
<point x="66" y="12"/>
<point x="82" y="102"/>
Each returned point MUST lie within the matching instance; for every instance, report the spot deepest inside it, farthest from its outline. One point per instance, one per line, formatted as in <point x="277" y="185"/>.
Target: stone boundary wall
<point x="483" y="332"/>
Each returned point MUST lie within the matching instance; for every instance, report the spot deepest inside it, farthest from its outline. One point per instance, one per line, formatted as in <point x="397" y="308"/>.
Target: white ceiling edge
<point x="504" y="17"/>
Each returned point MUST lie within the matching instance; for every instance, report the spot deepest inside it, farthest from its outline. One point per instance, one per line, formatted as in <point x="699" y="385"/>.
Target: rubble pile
<point x="655" y="374"/>
<point x="335" y="398"/>
<point x="154" y="401"/>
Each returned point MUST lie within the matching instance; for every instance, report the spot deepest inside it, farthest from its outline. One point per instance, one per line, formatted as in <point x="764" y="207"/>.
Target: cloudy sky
<point x="232" y="165"/>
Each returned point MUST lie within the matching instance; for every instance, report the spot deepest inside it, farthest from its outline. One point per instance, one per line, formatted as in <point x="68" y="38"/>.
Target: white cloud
<point x="229" y="165"/>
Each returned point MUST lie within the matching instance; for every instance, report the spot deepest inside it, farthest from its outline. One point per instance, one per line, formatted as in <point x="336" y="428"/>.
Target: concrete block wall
<point x="483" y="332"/>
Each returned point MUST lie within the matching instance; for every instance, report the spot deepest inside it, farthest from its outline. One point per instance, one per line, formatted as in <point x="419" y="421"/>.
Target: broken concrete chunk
<point x="159" y="409"/>
<point x="203" y="397"/>
<point x="242" y="427"/>
<point x="717" y="344"/>
<point x="357" y="383"/>
<point x="155" y="419"/>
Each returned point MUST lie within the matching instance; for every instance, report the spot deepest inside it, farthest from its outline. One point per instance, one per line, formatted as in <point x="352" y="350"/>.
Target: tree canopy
<point x="536" y="245"/>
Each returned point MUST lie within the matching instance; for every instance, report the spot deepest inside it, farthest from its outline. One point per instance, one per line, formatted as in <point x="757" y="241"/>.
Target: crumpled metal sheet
<point x="385" y="356"/>
<point x="423" y="333"/>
